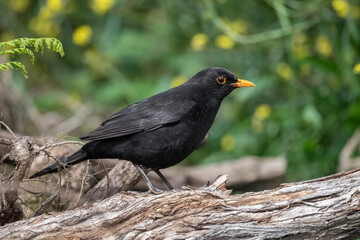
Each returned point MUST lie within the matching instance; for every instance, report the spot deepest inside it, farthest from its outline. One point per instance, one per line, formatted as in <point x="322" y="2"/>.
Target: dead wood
<point x="20" y="153"/>
<point x="122" y="177"/>
<point x="324" y="208"/>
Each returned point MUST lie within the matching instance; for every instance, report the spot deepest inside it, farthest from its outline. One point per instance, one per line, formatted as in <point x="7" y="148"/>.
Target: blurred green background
<point x="303" y="57"/>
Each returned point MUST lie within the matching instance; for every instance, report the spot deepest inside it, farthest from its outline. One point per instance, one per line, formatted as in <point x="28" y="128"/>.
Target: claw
<point x="152" y="188"/>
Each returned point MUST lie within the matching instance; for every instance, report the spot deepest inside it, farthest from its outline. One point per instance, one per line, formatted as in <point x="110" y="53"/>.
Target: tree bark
<point x="324" y="208"/>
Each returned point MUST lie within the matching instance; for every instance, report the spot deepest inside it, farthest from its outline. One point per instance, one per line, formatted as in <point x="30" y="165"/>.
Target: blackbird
<point x="162" y="130"/>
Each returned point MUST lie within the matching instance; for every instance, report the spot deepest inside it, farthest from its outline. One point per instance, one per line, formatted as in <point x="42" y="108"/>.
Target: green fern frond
<point x="36" y="43"/>
<point x="22" y="46"/>
<point x="20" y="51"/>
<point x="10" y="65"/>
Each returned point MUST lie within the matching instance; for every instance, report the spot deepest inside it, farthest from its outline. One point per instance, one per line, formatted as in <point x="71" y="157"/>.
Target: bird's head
<point x="218" y="82"/>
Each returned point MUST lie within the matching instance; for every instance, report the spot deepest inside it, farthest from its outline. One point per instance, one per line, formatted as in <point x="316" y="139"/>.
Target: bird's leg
<point x="152" y="188"/>
<point x="168" y="184"/>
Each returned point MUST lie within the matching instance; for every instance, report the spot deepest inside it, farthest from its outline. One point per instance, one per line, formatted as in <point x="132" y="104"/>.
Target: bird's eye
<point x="221" y="80"/>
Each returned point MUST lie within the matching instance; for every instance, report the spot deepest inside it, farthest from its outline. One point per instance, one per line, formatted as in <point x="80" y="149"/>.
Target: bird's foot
<point x="154" y="190"/>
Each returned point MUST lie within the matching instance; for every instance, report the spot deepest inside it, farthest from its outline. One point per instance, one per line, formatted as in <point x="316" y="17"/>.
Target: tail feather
<point x="77" y="157"/>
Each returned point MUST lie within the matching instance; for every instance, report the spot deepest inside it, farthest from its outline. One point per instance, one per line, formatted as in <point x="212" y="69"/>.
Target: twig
<point x="4" y="141"/>
<point x="83" y="181"/>
<point x="46" y="204"/>
<point x="6" y="126"/>
<point x="27" y="205"/>
<point x="61" y="143"/>
<point x="258" y="37"/>
<point x="4" y="157"/>
<point x="32" y="192"/>
<point x="281" y="12"/>
<point x="36" y="180"/>
<point x="107" y="179"/>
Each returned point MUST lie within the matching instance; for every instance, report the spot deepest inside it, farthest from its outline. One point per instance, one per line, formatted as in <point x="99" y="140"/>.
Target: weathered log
<point x="324" y="208"/>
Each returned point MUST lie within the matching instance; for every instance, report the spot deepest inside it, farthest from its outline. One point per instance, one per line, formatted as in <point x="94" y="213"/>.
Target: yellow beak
<point x="242" y="83"/>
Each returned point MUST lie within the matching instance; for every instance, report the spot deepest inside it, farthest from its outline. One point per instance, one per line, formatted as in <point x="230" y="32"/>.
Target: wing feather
<point x="147" y="115"/>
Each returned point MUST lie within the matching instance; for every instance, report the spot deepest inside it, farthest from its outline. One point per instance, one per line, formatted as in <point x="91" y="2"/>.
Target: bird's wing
<point x="147" y="115"/>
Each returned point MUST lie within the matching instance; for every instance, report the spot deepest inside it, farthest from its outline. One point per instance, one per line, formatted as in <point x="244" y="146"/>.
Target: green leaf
<point x="21" y="46"/>
<point x="9" y="65"/>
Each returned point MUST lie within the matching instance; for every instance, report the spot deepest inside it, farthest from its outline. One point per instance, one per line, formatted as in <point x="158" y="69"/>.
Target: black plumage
<point x="162" y="130"/>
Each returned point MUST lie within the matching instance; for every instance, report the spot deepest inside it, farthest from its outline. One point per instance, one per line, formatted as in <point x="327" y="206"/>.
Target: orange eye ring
<point x="221" y="80"/>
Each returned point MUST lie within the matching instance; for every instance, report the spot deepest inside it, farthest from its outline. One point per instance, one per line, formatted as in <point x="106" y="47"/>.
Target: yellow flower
<point x="198" y="41"/>
<point x="239" y="26"/>
<point x="300" y="48"/>
<point x="228" y="142"/>
<point x="357" y="68"/>
<point x="43" y="24"/>
<point x="18" y="5"/>
<point x="323" y="46"/>
<point x="54" y="5"/>
<point x="284" y="71"/>
<point x="100" y="7"/>
<point x="177" y="81"/>
<point x="301" y="51"/>
<point x="262" y="112"/>
<point x="224" y="41"/>
<point x="82" y="35"/>
<point x="341" y="7"/>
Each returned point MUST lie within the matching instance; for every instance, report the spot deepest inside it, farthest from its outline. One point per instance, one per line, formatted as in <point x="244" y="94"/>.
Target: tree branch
<point x="325" y="207"/>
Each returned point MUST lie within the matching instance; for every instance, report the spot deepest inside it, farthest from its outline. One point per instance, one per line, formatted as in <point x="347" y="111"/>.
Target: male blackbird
<point x="162" y="130"/>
